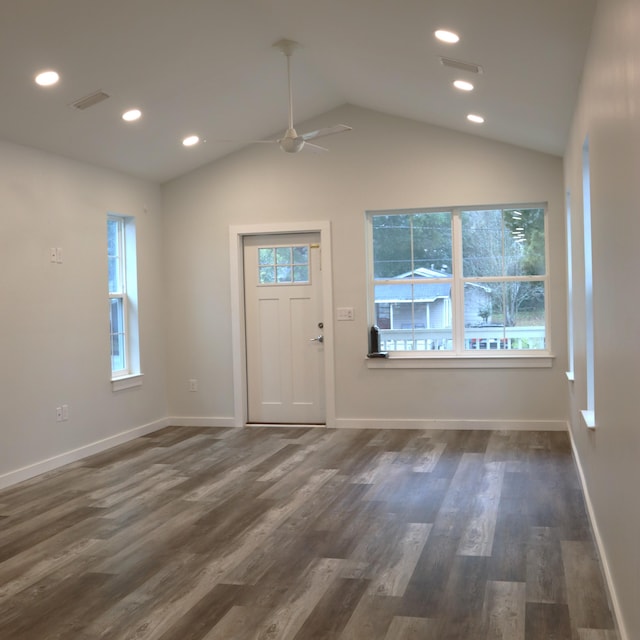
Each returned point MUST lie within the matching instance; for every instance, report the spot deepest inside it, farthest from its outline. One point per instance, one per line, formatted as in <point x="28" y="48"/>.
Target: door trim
<point x="238" y="344"/>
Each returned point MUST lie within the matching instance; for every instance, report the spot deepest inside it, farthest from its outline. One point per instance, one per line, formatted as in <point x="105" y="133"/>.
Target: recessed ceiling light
<point x="463" y="85"/>
<point x="131" y="115"/>
<point x="189" y="141"/>
<point x="447" y="36"/>
<point x="47" y="78"/>
<point x="472" y="117"/>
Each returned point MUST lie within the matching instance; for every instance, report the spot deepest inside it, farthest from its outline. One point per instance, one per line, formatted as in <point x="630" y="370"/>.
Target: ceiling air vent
<point x="90" y="100"/>
<point x="460" y="65"/>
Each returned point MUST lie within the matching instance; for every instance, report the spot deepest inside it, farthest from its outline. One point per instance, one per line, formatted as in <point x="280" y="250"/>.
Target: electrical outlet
<point x="53" y="254"/>
<point x="58" y="414"/>
<point x="59" y="255"/>
<point x="193" y="384"/>
<point x="65" y="412"/>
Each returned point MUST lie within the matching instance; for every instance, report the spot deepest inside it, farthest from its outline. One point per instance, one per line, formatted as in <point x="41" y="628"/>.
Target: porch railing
<point x="476" y="338"/>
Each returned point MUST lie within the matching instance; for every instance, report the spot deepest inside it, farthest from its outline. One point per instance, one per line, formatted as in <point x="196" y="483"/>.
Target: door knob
<point x="318" y="339"/>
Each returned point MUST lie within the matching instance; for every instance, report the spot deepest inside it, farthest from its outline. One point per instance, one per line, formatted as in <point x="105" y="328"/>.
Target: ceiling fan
<point x="291" y="142"/>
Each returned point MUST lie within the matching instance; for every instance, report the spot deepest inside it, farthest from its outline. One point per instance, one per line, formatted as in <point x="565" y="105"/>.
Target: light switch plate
<point x="345" y="313"/>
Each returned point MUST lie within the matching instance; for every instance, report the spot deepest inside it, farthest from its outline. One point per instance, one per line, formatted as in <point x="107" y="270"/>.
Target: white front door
<point x="284" y="337"/>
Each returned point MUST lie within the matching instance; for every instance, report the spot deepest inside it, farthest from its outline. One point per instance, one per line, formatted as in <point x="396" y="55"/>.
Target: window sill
<point x="462" y="362"/>
<point x="588" y="419"/>
<point x="126" y="382"/>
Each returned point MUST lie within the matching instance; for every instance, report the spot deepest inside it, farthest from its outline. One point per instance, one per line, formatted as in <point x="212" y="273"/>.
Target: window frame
<point x="127" y="294"/>
<point x="459" y="356"/>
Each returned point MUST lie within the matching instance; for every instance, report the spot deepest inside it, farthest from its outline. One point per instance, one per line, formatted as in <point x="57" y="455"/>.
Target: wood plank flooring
<point x="305" y="534"/>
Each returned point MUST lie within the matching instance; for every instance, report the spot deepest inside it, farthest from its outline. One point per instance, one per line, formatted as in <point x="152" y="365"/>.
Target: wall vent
<point x="460" y="65"/>
<point x="90" y="100"/>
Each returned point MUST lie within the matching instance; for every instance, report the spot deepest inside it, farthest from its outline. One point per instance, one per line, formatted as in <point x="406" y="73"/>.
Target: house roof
<point x="415" y="292"/>
<point x="208" y="67"/>
<point x="418" y="291"/>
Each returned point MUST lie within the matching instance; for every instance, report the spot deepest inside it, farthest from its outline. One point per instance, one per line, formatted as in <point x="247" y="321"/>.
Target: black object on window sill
<point x="374" y="344"/>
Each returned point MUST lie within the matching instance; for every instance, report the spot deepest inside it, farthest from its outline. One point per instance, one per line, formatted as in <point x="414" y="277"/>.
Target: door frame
<point x="237" y="234"/>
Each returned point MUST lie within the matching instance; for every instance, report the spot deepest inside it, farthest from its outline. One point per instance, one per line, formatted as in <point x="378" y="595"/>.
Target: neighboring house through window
<point x="123" y="296"/>
<point x="458" y="281"/>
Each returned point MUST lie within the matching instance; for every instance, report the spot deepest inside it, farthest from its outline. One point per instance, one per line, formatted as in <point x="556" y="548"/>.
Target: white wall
<point x="54" y="342"/>
<point x="385" y="162"/>
<point x="608" y="112"/>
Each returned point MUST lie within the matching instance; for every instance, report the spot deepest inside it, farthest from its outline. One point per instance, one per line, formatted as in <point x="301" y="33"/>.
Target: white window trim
<point x="401" y="360"/>
<point x="126" y="382"/>
<point x="588" y="414"/>
<point x="570" y="333"/>
<point x="542" y="358"/>
<point x="131" y="375"/>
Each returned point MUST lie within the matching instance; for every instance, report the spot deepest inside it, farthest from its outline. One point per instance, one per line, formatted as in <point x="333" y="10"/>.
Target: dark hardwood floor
<point x="270" y="533"/>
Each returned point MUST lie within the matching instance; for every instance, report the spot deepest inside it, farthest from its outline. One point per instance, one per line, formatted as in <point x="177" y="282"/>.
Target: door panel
<point x="283" y="311"/>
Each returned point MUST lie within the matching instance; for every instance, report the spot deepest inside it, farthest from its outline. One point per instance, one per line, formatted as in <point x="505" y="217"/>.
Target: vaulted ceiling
<point x="208" y="67"/>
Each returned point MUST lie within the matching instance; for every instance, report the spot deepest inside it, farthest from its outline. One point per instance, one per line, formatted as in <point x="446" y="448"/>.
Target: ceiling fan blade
<point x="247" y="141"/>
<point x="327" y="131"/>
<point x="315" y="148"/>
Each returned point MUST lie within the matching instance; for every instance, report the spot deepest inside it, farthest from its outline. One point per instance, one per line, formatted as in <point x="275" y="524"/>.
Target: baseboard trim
<point x="613" y="597"/>
<point x="192" y="421"/>
<point x="50" y="464"/>
<point x="484" y="425"/>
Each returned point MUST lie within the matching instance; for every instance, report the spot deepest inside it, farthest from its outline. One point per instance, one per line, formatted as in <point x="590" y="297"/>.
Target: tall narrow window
<point x="588" y="414"/>
<point x="121" y="250"/>
<point x="570" y="372"/>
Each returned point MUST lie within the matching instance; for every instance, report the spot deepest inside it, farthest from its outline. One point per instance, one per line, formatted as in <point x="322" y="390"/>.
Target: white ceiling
<point x="208" y="67"/>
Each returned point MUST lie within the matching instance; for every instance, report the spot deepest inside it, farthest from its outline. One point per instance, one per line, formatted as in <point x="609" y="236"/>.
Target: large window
<point x="460" y="281"/>
<point x="121" y="249"/>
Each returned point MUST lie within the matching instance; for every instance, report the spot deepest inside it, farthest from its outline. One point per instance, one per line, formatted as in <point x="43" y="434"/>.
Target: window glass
<point x="505" y="315"/>
<point x="283" y="255"/>
<point x="503" y="243"/>
<point x="266" y="256"/>
<point x="403" y="244"/>
<point x="114" y="234"/>
<point x="431" y="243"/>
<point x="414" y="316"/>
<point x="301" y="255"/>
<point x="118" y="350"/>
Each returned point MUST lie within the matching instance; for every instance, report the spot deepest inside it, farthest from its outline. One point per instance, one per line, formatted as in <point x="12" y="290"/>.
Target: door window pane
<point x="300" y="255"/>
<point x="266" y="256"/>
<point x="284" y="275"/>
